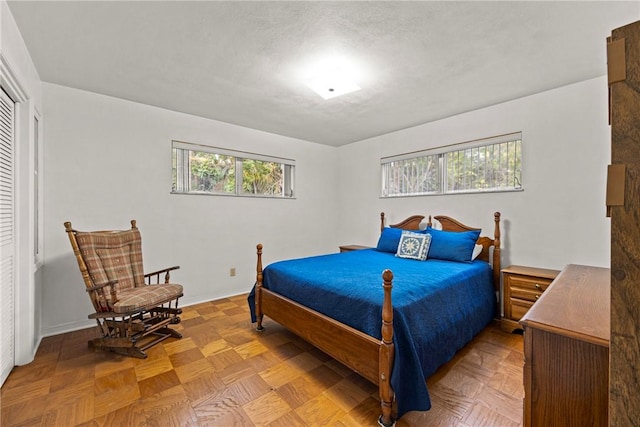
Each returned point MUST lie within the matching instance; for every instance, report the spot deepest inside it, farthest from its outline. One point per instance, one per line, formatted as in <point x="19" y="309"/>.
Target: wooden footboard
<point x="368" y="356"/>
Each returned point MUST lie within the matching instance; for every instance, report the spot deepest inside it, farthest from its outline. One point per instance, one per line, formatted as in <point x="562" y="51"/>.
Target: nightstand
<point x="521" y="288"/>
<point x="349" y="248"/>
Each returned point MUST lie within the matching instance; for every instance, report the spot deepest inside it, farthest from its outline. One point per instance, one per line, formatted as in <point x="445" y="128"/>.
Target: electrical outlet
<point x="232" y="271"/>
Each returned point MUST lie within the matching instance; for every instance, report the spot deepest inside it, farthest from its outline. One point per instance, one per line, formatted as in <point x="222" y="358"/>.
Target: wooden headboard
<point x="411" y="223"/>
<point x="450" y="224"/>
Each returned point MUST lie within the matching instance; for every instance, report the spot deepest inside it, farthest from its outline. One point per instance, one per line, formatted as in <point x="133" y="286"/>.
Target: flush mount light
<point x="331" y="83"/>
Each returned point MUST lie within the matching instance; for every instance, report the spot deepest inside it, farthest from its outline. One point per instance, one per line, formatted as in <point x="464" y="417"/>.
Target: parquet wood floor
<point x="223" y="373"/>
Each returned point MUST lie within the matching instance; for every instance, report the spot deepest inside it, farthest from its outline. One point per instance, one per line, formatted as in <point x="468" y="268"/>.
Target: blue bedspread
<point x="438" y="306"/>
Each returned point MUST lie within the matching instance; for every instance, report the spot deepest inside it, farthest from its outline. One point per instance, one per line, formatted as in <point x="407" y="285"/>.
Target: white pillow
<point x="477" y="249"/>
<point x="435" y="224"/>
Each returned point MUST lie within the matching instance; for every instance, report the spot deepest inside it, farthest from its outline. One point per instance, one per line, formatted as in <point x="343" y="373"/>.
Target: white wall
<point x="18" y="76"/>
<point x="109" y="160"/>
<point x="560" y="216"/>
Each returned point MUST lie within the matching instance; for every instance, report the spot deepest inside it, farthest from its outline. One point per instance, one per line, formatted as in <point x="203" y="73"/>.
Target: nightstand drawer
<point x="519" y="308"/>
<point x="527" y="284"/>
<point x="525" y="294"/>
<point x="527" y="288"/>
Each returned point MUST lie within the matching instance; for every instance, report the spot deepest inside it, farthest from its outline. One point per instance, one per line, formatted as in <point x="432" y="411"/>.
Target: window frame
<point x="441" y="153"/>
<point x="183" y="183"/>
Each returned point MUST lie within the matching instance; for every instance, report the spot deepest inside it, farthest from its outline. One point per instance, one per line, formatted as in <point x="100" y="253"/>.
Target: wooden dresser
<point x="522" y="286"/>
<point x="566" y="351"/>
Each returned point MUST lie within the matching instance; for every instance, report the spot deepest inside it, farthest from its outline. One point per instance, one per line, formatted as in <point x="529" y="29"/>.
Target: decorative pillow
<point x="452" y="245"/>
<point x="413" y="245"/>
<point x="389" y="239"/>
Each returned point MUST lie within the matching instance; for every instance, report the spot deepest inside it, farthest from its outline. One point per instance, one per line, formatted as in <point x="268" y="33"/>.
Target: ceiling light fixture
<point x="332" y="82"/>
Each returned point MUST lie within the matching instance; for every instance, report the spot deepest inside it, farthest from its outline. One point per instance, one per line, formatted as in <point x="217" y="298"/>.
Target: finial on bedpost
<point x="386" y="353"/>
<point x="133" y="224"/>
<point x="259" y="265"/>
<point x="259" y="326"/>
<point x="381" y="221"/>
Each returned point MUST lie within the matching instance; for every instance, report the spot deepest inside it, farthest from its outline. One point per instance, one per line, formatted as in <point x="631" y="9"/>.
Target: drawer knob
<point x="538" y="286"/>
<point x="537" y="296"/>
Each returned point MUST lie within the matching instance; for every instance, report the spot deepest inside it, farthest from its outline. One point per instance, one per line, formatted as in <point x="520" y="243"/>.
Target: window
<point x="200" y="169"/>
<point x="486" y="165"/>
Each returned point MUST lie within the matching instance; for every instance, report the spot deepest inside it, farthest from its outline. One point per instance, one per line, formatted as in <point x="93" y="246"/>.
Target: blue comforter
<point x="438" y="306"/>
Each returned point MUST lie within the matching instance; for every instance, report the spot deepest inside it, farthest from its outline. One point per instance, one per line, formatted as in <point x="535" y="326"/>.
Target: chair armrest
<point x="157" y="274"/>
<point x="103" y="299"/>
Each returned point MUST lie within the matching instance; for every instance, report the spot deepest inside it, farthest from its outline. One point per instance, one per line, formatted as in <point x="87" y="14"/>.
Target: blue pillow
<point x="452" y="245"/>
<point x="389" y="239"/>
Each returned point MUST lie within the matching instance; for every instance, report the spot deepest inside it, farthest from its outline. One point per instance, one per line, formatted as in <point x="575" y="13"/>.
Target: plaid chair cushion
<point x="116" y="264"/>
<point x="113" y="255"/>
<point x="145" y="297"/>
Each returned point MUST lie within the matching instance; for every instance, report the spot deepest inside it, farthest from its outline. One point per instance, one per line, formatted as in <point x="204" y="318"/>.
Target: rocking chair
<point x="132" y="313"/>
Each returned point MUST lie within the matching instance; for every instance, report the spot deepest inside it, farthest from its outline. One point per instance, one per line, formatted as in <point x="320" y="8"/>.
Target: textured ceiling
<point x="242" y="62"/>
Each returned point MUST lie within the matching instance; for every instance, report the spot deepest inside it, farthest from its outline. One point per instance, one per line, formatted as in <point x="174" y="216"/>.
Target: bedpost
<point x="381" y="221"/>
<point x="386" y="353"/>
<point x="496" y="252"/>
<point x="259" y="327"/>
<point x="429" y="224"/>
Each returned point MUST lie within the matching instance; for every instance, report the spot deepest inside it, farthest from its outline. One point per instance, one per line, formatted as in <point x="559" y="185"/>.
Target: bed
<point x="336" y="303"/>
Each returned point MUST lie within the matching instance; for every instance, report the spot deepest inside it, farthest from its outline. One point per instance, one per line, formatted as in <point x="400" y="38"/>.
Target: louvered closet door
<point x="7" y="232"/>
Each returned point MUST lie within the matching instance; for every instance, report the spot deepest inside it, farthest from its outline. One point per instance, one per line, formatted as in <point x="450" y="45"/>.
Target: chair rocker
<point x="132" y="312"/>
